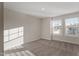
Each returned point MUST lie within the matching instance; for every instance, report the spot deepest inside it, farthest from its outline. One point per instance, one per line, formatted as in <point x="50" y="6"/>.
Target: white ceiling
<point x="43" y="9"/>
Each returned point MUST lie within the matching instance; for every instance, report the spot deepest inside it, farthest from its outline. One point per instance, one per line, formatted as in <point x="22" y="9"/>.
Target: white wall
<point x="31" y="24"/>
<point x="45" y="29"/>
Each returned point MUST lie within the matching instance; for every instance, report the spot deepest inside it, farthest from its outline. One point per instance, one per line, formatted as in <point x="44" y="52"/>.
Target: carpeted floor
<point x="44" y="47"/>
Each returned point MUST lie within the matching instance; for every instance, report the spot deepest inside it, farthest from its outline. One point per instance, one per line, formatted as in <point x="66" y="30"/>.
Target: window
<point x="57" y="26"/>
<point x="72" y="26"/>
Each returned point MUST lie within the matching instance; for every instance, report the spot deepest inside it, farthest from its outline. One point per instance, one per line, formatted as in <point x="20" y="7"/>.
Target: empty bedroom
<point x="41" y="28"/>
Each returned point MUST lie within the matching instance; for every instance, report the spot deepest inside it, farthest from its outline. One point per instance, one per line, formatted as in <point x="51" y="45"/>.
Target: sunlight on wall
<point x="13" y="37"/>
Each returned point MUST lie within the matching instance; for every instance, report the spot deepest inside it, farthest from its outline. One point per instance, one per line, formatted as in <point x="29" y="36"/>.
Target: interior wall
<point x="15" y="19"/>
<point x="45" y="29"/>
<point x="1" y="29"/>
